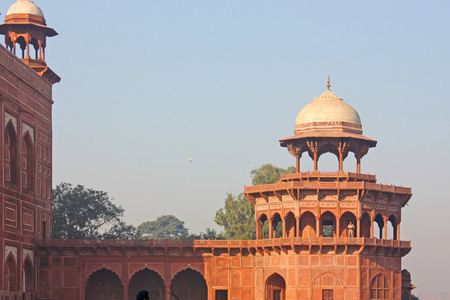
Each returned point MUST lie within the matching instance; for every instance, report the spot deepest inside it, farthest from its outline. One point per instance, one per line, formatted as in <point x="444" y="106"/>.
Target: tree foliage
<point x="164" y="227"/>
<point x="268" y="173"/>
<point x="237" y="217"/>
<point x="82" y="213"/>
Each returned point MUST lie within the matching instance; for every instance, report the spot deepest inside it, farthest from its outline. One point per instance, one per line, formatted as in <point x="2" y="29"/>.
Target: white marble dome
<point x="25" y="7"/>
<point x="325" y="113"/>
<point x="328" y="107"/>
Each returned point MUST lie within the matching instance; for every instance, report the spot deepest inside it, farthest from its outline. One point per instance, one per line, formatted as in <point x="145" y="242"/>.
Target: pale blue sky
<point x="146" y="84"/>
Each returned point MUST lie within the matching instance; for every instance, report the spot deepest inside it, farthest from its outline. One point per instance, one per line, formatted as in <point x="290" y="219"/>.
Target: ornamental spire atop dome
<point x="328" y="83"/>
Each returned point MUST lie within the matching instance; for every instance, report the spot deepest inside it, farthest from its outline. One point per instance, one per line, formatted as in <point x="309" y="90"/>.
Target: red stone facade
<point x="319" y="235"/>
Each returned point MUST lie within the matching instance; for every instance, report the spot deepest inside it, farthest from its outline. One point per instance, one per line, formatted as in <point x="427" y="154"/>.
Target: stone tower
<point x="25" y="147"/>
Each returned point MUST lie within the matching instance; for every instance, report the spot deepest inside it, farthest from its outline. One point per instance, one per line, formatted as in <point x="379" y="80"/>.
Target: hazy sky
<point x="147" y="84"/>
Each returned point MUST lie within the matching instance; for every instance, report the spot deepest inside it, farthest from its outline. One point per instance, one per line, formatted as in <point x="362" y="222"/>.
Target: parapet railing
<point x="230" y="243"/>
<point x="352" y="185"/>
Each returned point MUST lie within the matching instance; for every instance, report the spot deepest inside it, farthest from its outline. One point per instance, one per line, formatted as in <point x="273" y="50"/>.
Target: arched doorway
<point x="277" y="226"/>
<point x="263" y="225"/>
<point x="380" y="224"/>
<point x="275" y="287"/>
<point x="188" y="285"/>
<point x="147" y="280"/>
<point x="104" y="285"/>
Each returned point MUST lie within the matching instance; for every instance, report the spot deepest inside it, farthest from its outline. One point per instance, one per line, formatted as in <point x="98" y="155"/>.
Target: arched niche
<point x="308" y="225"/>
<point x="275" y="287"/>
<point x="392" y="228"/>
<point x="11" y="275"/>
<point x="147" y="279"/>
<point x="10" y="154"/>
<point x="290" y="224"/>
<point x="188" y="285"/>
<point x="104" y="285"/>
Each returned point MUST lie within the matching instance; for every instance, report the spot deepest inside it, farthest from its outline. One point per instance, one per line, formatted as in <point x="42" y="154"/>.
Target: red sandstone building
<point x="340" y="231"/>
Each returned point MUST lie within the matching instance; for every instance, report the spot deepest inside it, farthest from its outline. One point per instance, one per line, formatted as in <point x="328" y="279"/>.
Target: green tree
<point x="268" y="173"/>
<point x="82" y="213"/>
<point x="164" y="227"/>
<point x="209" y="234"/>
<point x="237" y="217"/>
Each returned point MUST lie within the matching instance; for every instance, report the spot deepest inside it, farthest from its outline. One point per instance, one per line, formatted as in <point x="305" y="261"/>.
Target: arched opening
<point x="290" y="225"/>
<point x="147" y="280"/>
<point x="22" y="44"/>
<point x="378" y="223"/>
<point x="379" y="288"/>
<point x="365" y="225"/>
<point x="328" y="162"/>
<point x="392" y="230"/>
<point x="10" y="154"/>
<point x="347" y="225"/>
<point x="275" y="287"/>
<point x="104" y="285"/>
<point x="350" y="163"/>
<point x="27" y="276"/>
<point x="328" y="224"/>
<point x="277" y="226"/>
<point x="27" y="163"/>
<point x="306" y="163"/>
<point x="308" y="225"/>
<point x="188" y="285"/>
<point x="35" y="44"/>
<point x="10" y="275"/>
<point x="263" y="224"/>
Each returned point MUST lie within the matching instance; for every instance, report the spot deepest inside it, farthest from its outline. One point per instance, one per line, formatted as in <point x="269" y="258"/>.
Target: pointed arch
<point x="328" y="224"/>
<point x="275" y="287"/>
<point x="10" y="163"/>
<point x="147" y="279"/>
<point x="379" y="221"/>
<point x="27" y="162"/>
<point x="393" y="228"/>
<point x="290" y="224"/>
<point x="346" y="221"/>
<point x="188" y="284"/>
<point x="365" y="225"/>
<point x="308" y="225"/>
<point x="104" y="284"/>
<point x="263" y="227"/>
<point x="277" y="225"/>
<point x="11" y="274"/>
<point x="28" y="275"/>
<point x="379" y="287"/>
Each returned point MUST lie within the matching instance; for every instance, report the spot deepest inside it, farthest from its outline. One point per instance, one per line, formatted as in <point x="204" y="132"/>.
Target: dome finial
<point x="328" y="83"/>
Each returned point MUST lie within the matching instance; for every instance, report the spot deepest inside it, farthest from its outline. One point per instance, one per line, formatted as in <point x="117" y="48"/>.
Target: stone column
<point x="317" y="226"/>
<point x="398" y="231"/>
<point x="284" y="229"/>
<point x="270" y="229"/>
<point x="358" y="227"/>
<point x="297" y="226"/>
<point x="167" y="295"/>
<point x="385" y="220"/>
<point x="371" y="227"/>
<point x="125" y="291"/>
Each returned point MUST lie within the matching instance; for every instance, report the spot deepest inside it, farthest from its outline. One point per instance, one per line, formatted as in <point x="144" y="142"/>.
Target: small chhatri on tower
<point x="25" y="26"/>
<point x="328" y="124"/>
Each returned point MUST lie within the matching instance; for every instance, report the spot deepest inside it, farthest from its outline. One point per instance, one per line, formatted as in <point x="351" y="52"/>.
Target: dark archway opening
<point x="104" y="285"/>
<point x="147" y="280"/>
<point x="275" y="287"/>
<point x="188" y="285"/>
